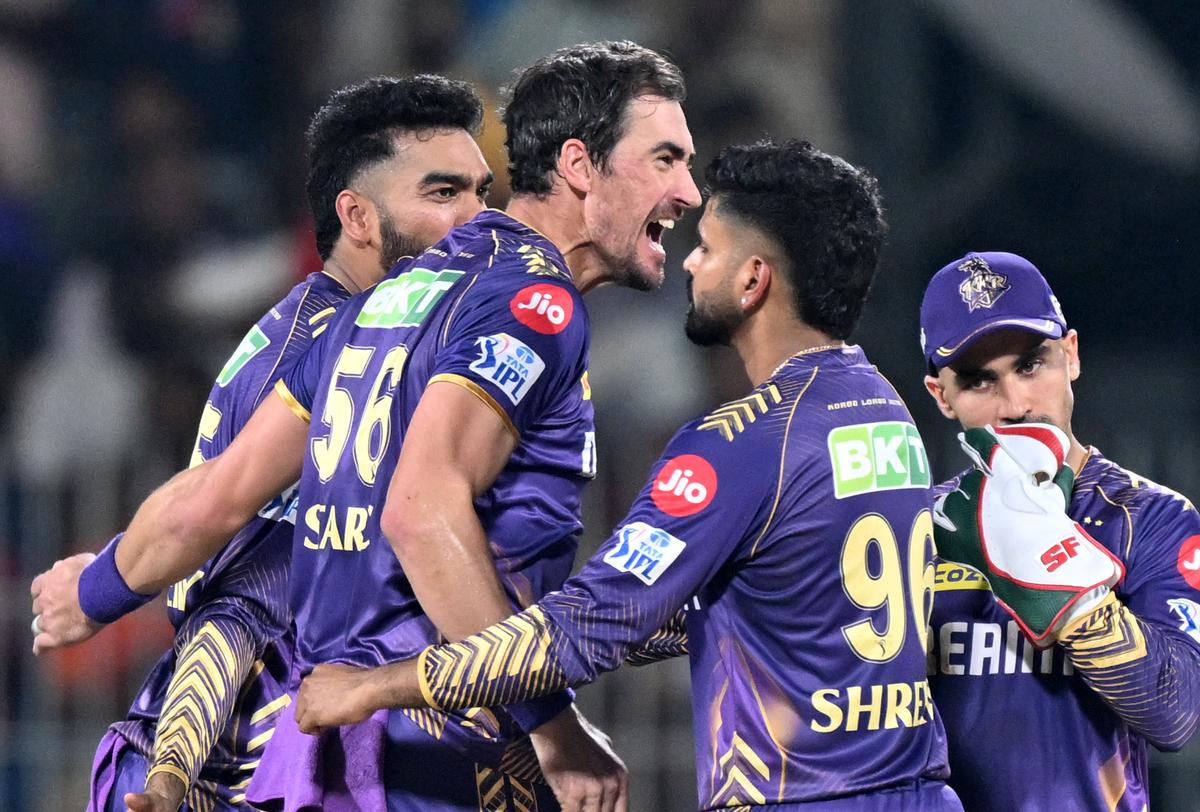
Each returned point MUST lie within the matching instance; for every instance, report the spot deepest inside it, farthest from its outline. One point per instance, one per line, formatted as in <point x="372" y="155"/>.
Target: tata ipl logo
<point x="983" y="286"/>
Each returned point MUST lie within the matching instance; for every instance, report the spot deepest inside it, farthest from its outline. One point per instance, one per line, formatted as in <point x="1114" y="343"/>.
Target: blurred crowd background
<point x="152" y="206"/>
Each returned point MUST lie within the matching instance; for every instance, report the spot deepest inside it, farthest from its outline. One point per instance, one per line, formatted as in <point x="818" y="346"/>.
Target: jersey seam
<point x="262" y="390"/>
<point x="782" y="461"/>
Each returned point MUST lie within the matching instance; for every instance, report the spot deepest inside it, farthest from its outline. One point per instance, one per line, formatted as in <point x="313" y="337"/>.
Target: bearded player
<point x="793" y="524"/>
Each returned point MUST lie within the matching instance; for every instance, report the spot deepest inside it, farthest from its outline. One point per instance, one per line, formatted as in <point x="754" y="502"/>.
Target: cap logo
<point x="983" y="286"/>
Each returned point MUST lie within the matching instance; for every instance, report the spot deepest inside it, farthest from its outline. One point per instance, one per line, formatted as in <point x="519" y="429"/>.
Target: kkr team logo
<point x="983" y="286"/>
<point x="685" y="485"/>
<point x="544" y="308"/>
<point x="508" y="363"/>
<point x="644" y="551"/>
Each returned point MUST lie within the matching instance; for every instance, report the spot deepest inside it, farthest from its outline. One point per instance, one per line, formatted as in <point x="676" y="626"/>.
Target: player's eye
<point x="483" y="191"/>
<point x="1029" y="365"/>
<point x="445" y="193"/>
<point x="667" y="160"/>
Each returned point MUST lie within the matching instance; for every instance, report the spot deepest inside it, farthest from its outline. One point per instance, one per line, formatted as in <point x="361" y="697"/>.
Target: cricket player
<point x="1074" y="643"/>
<point x="393" y="167"/>
<point x="793" y="524"/>
<point x="451" y="434"/>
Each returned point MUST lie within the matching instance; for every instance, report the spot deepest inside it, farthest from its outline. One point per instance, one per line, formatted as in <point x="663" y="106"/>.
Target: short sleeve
<point x="517" y="344"/>
<point x="1162" y="582"/>
<point x="298" y="384"/>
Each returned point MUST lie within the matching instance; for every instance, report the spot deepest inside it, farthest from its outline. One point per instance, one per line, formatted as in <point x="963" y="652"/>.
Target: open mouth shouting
<point x="654" y="232"/>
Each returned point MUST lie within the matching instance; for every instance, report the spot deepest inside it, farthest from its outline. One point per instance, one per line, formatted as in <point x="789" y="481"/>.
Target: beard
<point x="711" y="323"/>
<point x="395" y="245"/>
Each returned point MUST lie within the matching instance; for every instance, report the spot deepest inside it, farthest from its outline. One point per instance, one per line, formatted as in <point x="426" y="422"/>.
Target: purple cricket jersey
<point x="237" y="601"/>
<point x="490" y="308"/>
<point x="1026" y="732"/>
<point x="794" y="526"/>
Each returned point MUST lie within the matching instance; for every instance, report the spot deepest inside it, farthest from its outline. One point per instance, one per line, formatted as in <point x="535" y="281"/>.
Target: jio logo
<point x="685" y="485"/>
<point x="545" y="308"/>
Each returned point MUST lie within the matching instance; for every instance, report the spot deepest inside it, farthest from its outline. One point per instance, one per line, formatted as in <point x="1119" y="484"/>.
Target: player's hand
<point x="333" y="695"/>
<point x="57" y="619"/>
<point x="164" y="793"/>
<point x="1008" y="520"/>
<point x="580" y="765"/>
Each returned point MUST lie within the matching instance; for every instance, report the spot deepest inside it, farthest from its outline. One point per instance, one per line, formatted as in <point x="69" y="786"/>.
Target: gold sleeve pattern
<point x="1140" y="671"/>
<point x="210" y="669"/>
<point x="669" y="641"/>
<point x="508" y="662"/>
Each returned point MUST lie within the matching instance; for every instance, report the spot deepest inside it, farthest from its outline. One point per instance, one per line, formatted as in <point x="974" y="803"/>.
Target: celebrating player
<point x="1052" y="690"/>
<point x="793" y="524"/>
<point x="393" y="167"/>
<point x="451" y="418"/>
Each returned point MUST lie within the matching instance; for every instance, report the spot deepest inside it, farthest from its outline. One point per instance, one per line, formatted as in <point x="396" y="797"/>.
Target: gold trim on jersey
<point x="1106" y="637"/>
<point x="782" y="459"/>
<point x="266" y="710"/>
<point x="731" y="418"/>
<point x="739" y="756"/>
<point x="293" y="404"/>
<point x="481" y="393"/>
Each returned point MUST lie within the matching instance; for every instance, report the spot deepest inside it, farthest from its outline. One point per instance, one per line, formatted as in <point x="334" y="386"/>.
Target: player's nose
<point x="1016" y="402"/>
<point x="686" y="193"/>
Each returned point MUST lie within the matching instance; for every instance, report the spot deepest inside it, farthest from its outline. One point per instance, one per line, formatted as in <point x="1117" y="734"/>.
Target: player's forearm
<point x="668" y="641"/>
<point x="175" y="531"/>
<point x="210" y="669"/>
<point x="1147" y="676"/>
<point x="513" y="661"/>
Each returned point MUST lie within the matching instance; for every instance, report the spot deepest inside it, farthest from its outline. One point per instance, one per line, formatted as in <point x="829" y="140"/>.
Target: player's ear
<point x="575" y="165"/>
<point x="1070" y="345"/>
<point x="938" y="392"/>
<point x="355" y="214"/>
<point x="754" y="281"/>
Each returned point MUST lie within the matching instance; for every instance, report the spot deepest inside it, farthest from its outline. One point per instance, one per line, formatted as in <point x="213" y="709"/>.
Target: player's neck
<point x="766" y="343"/>
<point x="354" y="276"/>
<point x="559" y="219"/>
<point x="1077" y="454"/>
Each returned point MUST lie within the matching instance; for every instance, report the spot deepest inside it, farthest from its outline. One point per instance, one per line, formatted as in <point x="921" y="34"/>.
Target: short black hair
<point x="824" y="214"/>
<point x="357" y="128"/>
<point x="579" y="92"/>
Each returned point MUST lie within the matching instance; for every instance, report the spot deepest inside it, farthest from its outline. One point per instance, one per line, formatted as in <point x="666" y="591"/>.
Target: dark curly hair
<point x="357" y="129"/>
<point x="578" y="92"/>
<point x="824" y="213"/>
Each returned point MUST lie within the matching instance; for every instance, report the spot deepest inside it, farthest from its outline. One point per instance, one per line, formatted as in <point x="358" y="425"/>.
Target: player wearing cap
<point x="1074" y="640"/>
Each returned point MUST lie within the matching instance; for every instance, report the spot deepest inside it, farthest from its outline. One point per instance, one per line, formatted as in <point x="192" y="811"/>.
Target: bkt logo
<point x="1189" y="616"/>
<point x="1060" y="553"/>
<point x="544" y="308"/>
<point x="509" y="364"/>
<point x="685" y="485"/>
<point x="644" y="551"/>
<point x="871" y="457"/>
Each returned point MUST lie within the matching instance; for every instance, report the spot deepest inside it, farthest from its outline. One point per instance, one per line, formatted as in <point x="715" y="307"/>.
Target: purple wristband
<point x="103" y="594"/>
<point x="533" y="713"/>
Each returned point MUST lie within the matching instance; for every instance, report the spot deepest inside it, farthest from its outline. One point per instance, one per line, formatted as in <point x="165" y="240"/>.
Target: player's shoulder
<point x="744" y="420"/>
<point x="1122" y="486"/>
<point x="520" y="250"/>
